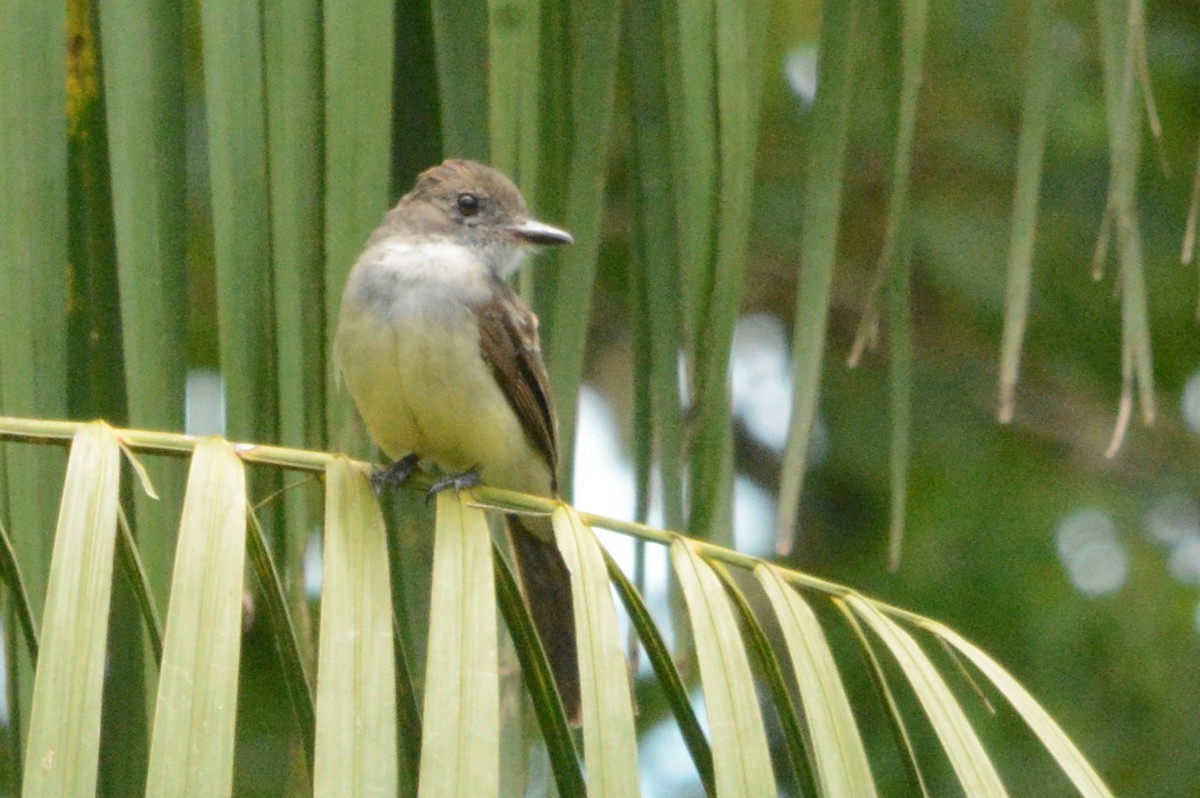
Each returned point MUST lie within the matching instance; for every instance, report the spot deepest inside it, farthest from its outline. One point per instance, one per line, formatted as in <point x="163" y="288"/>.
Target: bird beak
<point x="536" y="232"/>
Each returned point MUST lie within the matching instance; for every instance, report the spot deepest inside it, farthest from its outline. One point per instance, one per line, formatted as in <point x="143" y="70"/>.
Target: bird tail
<point x="546" y="583"/>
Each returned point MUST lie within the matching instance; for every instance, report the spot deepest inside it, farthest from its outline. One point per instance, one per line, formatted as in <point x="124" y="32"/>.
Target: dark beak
<point x="536" y="232"/>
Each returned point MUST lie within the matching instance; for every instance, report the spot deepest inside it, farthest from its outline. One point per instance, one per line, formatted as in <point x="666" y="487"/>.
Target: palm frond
<point x="356" y="723"/>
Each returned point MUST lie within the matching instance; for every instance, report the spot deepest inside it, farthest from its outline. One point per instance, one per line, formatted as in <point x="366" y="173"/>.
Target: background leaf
<point x="820" y="224"/>
<point x="33" y="254"/>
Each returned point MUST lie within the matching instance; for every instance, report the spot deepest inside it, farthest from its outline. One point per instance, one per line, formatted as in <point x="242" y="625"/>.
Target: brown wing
<point x="508" y="339"/>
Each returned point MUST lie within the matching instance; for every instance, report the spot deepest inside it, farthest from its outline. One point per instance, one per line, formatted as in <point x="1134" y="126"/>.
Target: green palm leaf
<point x="356" y="723"/>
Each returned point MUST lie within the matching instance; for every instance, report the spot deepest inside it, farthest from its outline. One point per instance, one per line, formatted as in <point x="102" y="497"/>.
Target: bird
<point x="443" y="361"/>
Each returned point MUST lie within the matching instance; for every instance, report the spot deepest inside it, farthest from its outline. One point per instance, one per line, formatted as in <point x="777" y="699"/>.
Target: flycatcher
<point x="443" y="361"/>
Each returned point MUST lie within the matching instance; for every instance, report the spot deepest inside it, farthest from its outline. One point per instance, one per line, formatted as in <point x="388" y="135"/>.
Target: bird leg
<point x="394" y="475"/>
<point x="467" y="479"/>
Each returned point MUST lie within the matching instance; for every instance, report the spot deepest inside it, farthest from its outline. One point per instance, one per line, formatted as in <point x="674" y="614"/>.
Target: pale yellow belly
<point x="421" y="386"/>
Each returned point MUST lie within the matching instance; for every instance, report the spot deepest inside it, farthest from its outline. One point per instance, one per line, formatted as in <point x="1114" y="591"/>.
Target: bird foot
<point x="467" y="479"/>
<point x="394" y="475"/>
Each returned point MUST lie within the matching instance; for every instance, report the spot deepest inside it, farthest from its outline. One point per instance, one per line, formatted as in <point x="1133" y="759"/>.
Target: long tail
<point x="547" y="585"/>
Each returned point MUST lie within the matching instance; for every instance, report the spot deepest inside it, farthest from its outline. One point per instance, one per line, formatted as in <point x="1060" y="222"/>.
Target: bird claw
<point x="394" y="475"/>
<point x="467" y="479"/>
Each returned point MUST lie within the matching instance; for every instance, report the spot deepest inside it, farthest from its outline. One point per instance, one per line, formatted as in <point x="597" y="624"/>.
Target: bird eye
<point x="468" y="204"/>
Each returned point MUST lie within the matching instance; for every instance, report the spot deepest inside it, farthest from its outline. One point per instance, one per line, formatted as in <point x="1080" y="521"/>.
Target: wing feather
<point x="508" y="341"/>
